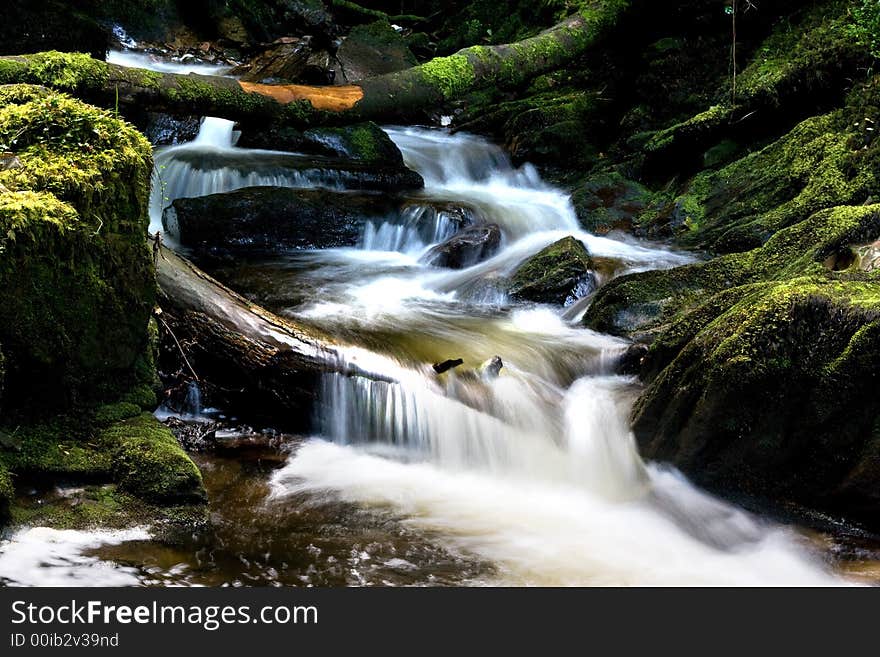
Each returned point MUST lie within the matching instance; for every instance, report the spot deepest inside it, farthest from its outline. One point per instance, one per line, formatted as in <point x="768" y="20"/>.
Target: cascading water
<point x="534" y="470"/>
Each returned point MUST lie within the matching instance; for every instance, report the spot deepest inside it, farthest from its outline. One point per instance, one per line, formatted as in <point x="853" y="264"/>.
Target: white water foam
<point x="40" y="556"/>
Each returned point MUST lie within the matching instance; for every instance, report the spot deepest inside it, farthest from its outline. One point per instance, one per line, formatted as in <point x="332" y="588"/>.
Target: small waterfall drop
<point x="535" y="470"/>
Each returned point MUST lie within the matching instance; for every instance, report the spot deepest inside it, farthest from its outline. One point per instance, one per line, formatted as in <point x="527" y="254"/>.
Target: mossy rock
<point x="645" y="304"/>
<point x="825" y="161"/>
<point x="557" y="274"/>
<point x="608" y="201"/>
<point x="149" y="463"/>
<point x="76" y="277"/>
<point x="361" y="142"/>
<point x="371" y="50"/>
<point x="775" y="398"/>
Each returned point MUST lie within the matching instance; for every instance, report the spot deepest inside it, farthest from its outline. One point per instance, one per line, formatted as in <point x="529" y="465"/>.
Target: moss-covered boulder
<point x="149" y="463"/>
<point x="77" y="290"/>
<point x="361" y="142"/>
<point x="775" y="398"/>
<point x="373" y="49"/>
<point x="76" y="277"/>
<point x="761" y="364"/>
<point x="559" y="274"/>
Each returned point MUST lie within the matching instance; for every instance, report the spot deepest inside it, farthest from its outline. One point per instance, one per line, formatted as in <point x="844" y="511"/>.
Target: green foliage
<point x="866" y="24"/>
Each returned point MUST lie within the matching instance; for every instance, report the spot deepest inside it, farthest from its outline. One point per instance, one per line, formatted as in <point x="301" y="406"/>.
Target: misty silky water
<point x="528" y="478"/>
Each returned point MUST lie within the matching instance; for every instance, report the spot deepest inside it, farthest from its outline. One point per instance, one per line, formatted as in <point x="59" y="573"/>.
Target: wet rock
<point x="491" y="369"/>
<point x="320" y="171"/>
<point x="284" y="61"/>
<point x="320" y="69"/>
<point x="9" y="161"/>
<point x="632" y="360"/>
<point x="466" y="248"/>
<point x="371" y="50"/>
<point x="167" y="130"/>
<point x="270" y="218"/>
<point x="274" y="138"/>
<point x="361" y="142"/>
<point x="560" y="273"/>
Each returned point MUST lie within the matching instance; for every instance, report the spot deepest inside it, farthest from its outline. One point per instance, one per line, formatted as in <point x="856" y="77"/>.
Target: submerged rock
<point x="560" y="274"/>
<point x="467" y="247"/>
<point x="371" y="50"/>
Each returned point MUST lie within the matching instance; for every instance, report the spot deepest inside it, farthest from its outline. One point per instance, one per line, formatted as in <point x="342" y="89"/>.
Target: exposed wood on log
<point x="330" y="99"/>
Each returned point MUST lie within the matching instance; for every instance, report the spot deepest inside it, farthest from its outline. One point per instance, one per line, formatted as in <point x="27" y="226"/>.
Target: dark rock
<point x="560" y="274"/>
<point x="167" y="130"/>
<point x="273" y="138"/>
<point x="491" y="369"/>
<point x="466" y="248"/>
<point x="320" y="69"/>
<point x="283" y="62"/>
<point x="608" y="201"/>
<point x="322" y="170"/>
<point x="269" y="218"/>
<point x="361" y="142"/>
<point x="632" y="360"/>
<point x="371" y="50"/>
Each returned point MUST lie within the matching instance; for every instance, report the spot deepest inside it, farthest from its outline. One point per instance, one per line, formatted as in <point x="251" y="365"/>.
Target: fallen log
<point x="243" y="356"/>
<point x="384" y="97"/>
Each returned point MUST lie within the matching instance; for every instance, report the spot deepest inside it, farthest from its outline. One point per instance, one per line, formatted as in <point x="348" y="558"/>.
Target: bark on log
<point x="383" y="97"/>
<point x="248" y="358"/>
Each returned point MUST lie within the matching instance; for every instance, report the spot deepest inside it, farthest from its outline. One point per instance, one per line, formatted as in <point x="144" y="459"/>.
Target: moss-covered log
<point x="382" y="97"/>
<point x="245" y="356"/>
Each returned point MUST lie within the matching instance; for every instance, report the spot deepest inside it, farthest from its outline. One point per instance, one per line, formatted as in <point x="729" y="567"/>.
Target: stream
<point x="531" y="477"/>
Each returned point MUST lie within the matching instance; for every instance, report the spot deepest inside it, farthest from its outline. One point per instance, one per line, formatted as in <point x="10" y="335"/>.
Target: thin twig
<point x="177" y="342"/>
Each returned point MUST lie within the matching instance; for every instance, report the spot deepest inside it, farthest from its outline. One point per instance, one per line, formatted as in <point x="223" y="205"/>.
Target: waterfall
<point x="536" y="469"/>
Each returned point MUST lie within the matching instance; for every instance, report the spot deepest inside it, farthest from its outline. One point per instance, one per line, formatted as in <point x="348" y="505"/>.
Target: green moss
<point x="7" y="492"/>
<point x="363" y="142"/>
<point x="552" y="274"/>
<point x="98" y="506"/>
<point x="825" y="161"/>
<point x="76" y="277"/>
<point x="451" y="76"/>
<point x="149" y="463"/>
<point x="656" y="302"/>
<point x="58" y="448"/>
<point x="111" y="413"/>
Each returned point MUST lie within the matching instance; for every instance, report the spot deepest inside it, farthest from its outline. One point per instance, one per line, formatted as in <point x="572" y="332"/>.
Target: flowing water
<point x="530" y="476"/>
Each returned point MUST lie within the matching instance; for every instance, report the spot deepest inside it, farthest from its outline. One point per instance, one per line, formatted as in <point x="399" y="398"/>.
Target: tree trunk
<point x="380" y="98"/>
<point x="245" y="358"/>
